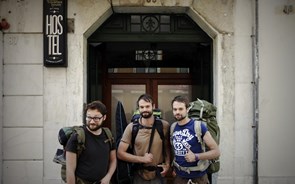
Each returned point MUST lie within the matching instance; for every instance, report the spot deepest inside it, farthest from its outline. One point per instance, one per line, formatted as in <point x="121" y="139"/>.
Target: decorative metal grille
<point x="148" y="55"/>
<point x="150" y="23"/>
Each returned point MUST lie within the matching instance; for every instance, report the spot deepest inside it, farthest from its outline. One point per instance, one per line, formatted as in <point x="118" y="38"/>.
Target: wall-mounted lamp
<point x="4" y="25"/>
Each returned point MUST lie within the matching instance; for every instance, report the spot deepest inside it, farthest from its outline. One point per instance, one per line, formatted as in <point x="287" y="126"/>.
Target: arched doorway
<point x="164" y="55"/>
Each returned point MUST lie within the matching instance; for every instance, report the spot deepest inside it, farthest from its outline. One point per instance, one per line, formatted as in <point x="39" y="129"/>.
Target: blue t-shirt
<point x="185" y="137"/>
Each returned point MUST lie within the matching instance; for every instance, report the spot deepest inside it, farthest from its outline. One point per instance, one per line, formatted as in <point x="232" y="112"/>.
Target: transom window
<point x="150" y="23"/>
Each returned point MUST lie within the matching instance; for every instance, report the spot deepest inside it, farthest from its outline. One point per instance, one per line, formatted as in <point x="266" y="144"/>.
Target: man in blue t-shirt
<point x="190" y="162"/>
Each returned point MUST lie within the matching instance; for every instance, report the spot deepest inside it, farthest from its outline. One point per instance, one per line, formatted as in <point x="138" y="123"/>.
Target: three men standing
<point x="151" y="150"/>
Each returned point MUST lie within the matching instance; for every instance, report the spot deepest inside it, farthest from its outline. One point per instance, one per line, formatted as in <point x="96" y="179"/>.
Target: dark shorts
<point x="139" y="180"/>
<point x="81" y="181"/>
<point x="201" y="180"/>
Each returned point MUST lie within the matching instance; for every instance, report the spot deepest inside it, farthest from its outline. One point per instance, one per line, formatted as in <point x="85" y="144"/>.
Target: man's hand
<point x="190" y="156"/>
<point x="105" y="180"/>
<point x="148" y="158"/>
<point x="165" y="169"/>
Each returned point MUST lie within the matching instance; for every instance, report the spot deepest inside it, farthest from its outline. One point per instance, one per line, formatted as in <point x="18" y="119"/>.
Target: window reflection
<point x="165" y="95"/>
<point x="127" y="95"/>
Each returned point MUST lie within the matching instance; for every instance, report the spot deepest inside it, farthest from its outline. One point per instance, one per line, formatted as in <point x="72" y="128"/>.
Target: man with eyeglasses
<point x="97" y="163"/>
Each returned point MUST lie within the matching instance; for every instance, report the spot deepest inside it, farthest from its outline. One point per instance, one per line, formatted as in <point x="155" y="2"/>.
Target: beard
<point x="179" y="117"/>
<point x="146" y="115"/>
<point x="93" y="127"/>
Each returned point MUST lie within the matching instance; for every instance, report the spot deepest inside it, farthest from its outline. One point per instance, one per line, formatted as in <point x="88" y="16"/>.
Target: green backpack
<point x="203" y="111"/>
<point x="64" y="135"/>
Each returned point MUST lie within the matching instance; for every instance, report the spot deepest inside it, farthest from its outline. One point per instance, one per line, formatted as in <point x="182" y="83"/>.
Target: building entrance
<point x="163" y="55"/>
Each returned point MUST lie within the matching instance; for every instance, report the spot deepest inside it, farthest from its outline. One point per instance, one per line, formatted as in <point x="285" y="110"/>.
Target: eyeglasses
<point x="89" y="118"/>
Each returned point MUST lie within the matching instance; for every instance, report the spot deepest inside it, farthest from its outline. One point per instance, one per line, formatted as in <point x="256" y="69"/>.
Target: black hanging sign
<point x="55" y="32"/>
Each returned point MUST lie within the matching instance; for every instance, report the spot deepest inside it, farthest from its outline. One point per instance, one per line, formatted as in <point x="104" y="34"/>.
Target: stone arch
<point x="179" y="7"/>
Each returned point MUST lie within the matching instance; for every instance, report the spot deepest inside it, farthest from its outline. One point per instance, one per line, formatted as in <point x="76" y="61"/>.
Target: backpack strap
<point x="152" y="137"/>
<point x="135" y="129"/>
<point x="202" y="108"/>
<point x="202" y="166"/>
<point x="160" y="129"/>
<point x="110" y="137"/>
<point x="80" y="138"/>
<point x="198" y="133"/>
<point x="172" y="127"/>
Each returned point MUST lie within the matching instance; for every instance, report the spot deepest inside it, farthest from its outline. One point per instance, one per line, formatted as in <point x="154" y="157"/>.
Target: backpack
<point x="204" y="111"/>
<point x="64" y="135"/>
<point x="125" y="170"/>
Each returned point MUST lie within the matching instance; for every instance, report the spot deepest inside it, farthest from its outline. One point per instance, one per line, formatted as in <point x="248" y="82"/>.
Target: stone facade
<point x="37" y="101"/>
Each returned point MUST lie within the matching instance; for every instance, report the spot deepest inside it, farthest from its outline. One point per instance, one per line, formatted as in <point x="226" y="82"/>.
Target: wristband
<point x="197" y="157"/>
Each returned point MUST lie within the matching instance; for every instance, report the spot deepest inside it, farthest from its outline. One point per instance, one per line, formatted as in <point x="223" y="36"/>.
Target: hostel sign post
<point x="55" y="33"/>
